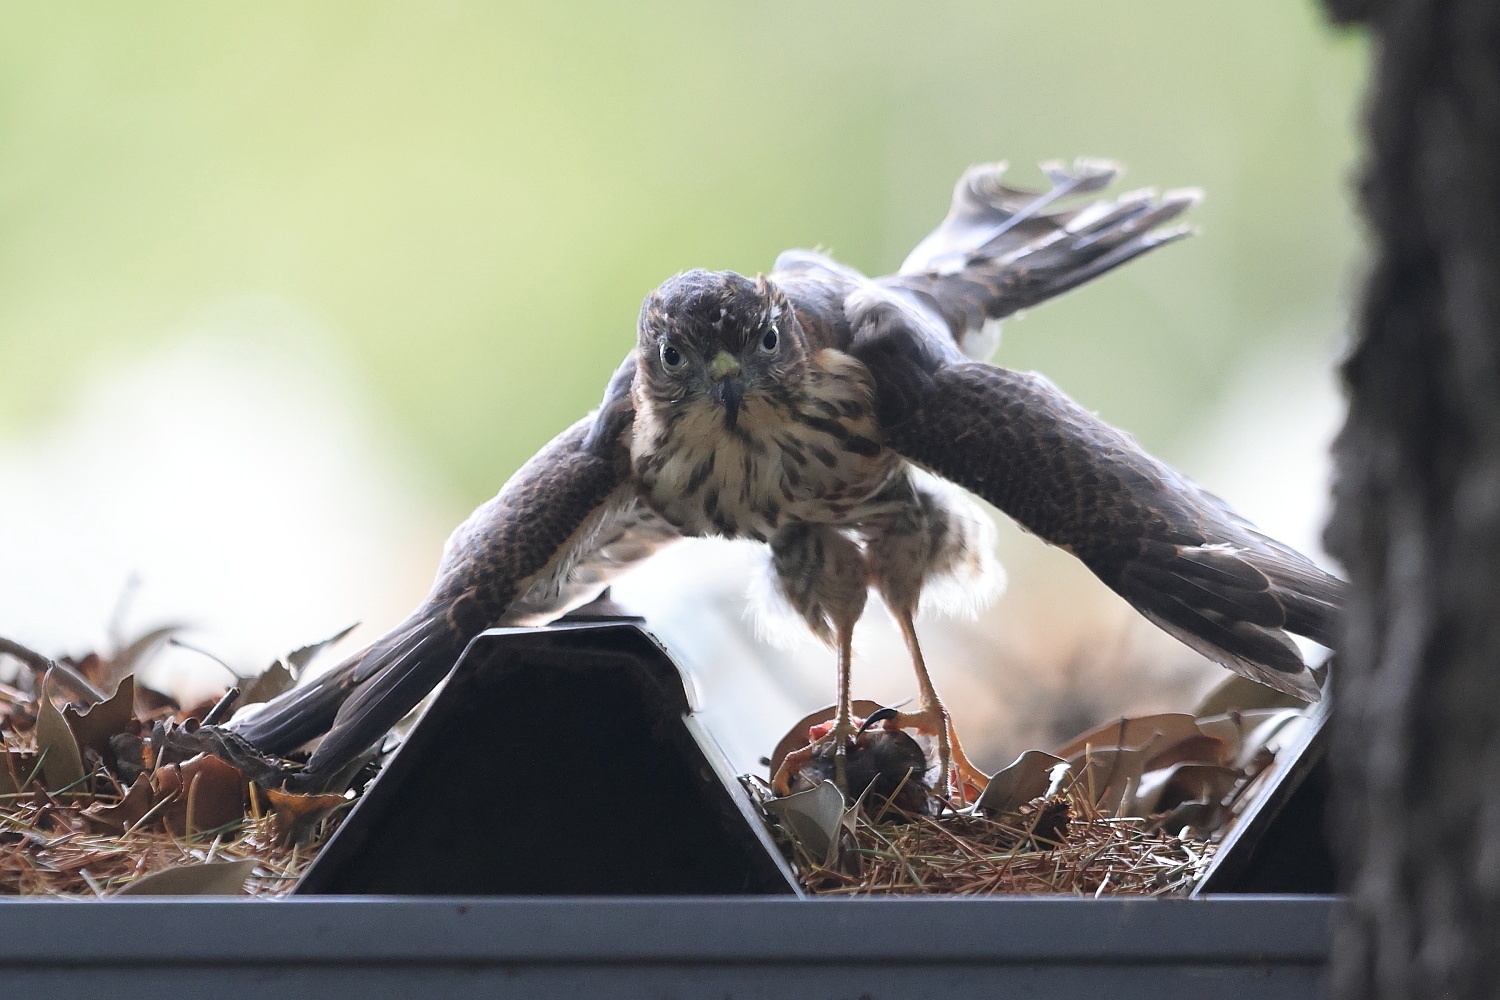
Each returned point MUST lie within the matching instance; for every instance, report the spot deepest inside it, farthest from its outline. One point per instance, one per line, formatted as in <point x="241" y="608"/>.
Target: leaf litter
<point x="88" y="807"/>
<point x="93" y="801"/>
<point x="1137" y="806"/>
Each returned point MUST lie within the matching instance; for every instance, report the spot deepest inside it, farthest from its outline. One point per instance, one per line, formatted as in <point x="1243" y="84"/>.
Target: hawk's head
<point x="718" y="338"/>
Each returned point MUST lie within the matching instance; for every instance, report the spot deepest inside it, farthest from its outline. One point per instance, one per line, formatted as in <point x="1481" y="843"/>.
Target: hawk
<point x="831" y="416"/>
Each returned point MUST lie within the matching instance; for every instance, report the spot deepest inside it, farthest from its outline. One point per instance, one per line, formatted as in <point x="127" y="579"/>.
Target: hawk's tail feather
<point x="985" y="212"/>
<point x="1310" y="597"/>
<point x="1062" y="268"/>
<point x="1002" y="249"/>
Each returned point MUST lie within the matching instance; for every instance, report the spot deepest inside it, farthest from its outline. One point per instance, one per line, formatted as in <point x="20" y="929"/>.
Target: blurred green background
<point x="472" y="198"/>
<point x="414" y="238"/>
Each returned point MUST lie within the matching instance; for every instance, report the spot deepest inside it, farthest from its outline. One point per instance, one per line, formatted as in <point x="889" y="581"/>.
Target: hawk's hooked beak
<point x="727" y="389"/>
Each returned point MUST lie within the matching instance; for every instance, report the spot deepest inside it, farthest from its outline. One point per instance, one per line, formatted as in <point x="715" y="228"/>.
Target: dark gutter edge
<point x="1030" y="931"/>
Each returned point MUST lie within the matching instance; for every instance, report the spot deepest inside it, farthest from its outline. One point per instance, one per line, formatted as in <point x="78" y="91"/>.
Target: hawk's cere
<point x="830" y="416"/>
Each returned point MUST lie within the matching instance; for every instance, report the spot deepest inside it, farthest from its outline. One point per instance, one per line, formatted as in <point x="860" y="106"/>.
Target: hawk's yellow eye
<point x="671" y="357"/>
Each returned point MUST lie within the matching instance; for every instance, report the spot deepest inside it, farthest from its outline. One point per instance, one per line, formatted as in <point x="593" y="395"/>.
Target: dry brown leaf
<point x="62" y="763"/>
<point x="94" y="726"/>
<point x="1164" y="789"/>
<point x="302" y="656"/>
<point x="86" y="842"/>
<point x="151" y="704"/>
<point x="296" y="814"/>
<point x="124" y="814"/>
<point x="1106" y="776"/>
<point x="813" y="818"/>
<point x="208" y="792"/>
<point x="91" y="667"/>
<point x="134" y="655"/>
<point x="1241" y="694"/>
<point x="1198" y="818"/>
<point x="215" y="878"/>
<point x="1146" y="732"/>
<point x="18" y="714"/>
<point x="1026" y="778"/>
<point x="1196" y="783"/>
<point x="1200" y="749"/>
<point x="1246" y="733"/>
<point x="267" y="684"/>
<point x="198" y="710"/>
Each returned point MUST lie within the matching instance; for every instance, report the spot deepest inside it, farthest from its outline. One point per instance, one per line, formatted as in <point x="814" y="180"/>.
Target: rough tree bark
<point x="1416" y="519"/>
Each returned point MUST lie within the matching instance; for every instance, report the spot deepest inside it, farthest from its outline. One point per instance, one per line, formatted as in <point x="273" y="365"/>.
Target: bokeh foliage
<point x="471" y="198"/>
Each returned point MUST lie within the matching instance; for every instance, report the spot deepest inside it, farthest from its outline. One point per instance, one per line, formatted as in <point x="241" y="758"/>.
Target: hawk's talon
<point x="959" y="780"/>
<point x="794" y="762"/>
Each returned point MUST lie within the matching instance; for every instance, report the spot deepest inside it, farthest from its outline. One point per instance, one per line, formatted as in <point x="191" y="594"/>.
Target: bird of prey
<point x="830" y="416"/>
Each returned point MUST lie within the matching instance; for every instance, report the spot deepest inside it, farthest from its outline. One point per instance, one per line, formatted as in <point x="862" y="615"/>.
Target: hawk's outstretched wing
<point x="539" y="547"/>
<point x="1175" y="552"/>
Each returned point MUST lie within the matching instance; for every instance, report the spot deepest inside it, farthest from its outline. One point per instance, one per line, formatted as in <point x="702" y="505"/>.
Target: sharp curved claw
<point x="879" y="716"/>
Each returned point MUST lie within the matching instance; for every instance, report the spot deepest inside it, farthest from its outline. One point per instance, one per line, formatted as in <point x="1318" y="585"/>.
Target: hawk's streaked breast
<point x="811" y="453"/>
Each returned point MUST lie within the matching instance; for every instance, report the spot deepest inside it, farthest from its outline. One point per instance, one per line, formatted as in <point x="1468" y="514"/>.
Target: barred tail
<point x="1002" y="249"/>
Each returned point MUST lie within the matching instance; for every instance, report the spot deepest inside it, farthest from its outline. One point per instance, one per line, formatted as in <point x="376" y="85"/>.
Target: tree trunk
<point x="1416" y="520"/>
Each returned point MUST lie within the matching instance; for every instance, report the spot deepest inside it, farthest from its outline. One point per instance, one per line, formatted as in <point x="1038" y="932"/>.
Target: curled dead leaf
<point x="1241" y="694"/>
<point x="297" y="814"/>
<point x="1164" y="789"/>
<point x="267" y="684"/>
<point x="124" y="814"/>
<point x="1200" y="748"/>
<point x="1198" y="818"/>
<point x="135" y="654"/>
<point x="1109" y="775"/>
<point x="94" y="726"/>
<point x="1026" y="778"/>
<point x="1246" y="733"/>
<point x="207" y="793"/>
<point x="281" y="675"/>
<point x="813" y="819"/>
<point x="299" y="658"/>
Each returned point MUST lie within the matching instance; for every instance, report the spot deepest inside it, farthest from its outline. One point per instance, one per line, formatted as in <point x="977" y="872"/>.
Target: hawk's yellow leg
<point x="843" y="724"/>
<point x="959" y="777"/>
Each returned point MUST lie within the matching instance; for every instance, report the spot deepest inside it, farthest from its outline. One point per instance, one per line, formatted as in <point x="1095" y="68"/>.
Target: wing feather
<point x="1176" y="552"/>
<point x="547" y="541"/>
